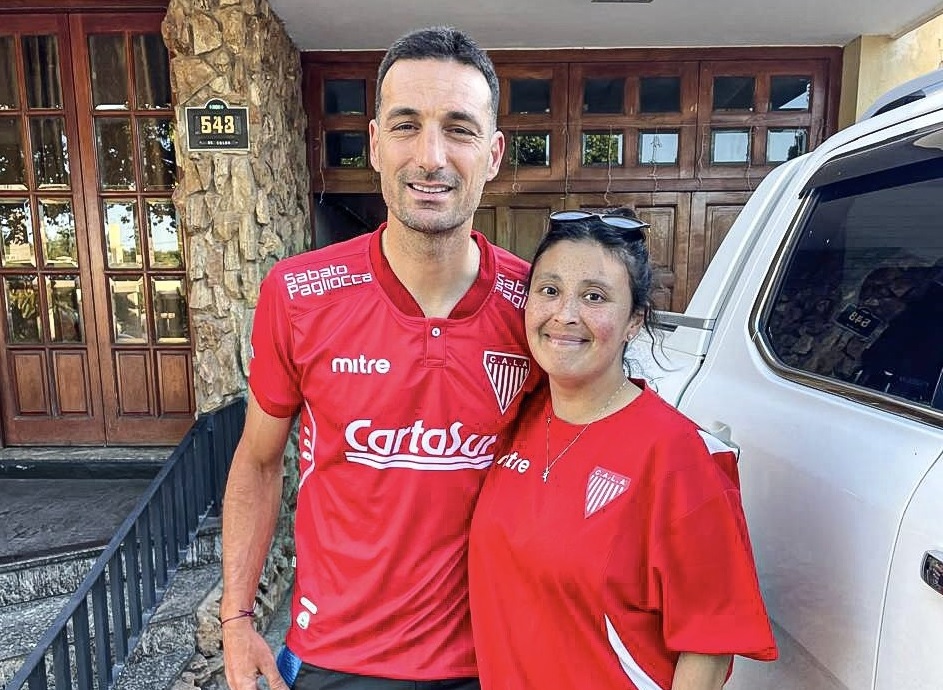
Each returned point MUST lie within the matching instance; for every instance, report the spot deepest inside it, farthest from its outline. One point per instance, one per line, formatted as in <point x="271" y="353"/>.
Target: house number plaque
<point x="217" y="127"/>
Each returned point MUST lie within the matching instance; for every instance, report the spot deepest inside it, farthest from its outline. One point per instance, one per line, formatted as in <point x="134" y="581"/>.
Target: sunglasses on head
<point x="632" y="226"/>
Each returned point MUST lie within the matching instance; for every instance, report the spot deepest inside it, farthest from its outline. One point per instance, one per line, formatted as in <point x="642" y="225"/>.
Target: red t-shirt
<point x="400" y="415"/>
<point x="633" y="551"/>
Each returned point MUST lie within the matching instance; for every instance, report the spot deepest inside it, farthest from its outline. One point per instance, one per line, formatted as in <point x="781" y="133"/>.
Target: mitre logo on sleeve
<point x="603" y="487"/>
<point x="507" y="374"/>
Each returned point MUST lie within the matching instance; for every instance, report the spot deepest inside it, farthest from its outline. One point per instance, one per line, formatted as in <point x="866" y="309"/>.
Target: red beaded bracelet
<point x="243" y="613"/>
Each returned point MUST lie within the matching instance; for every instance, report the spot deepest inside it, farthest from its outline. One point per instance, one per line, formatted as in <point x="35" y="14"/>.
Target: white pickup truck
<point x="814" y="344"/>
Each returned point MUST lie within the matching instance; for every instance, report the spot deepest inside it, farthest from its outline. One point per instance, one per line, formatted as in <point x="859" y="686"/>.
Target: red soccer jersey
<point x="399" y="420"/>
<point x="633" y="551"/>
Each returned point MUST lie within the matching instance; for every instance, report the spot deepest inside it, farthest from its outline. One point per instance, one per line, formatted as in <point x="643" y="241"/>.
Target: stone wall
<point x="240" y="212"/>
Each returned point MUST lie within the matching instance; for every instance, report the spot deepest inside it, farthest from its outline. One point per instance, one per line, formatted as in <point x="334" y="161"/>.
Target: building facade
<point x="132" y="249"/>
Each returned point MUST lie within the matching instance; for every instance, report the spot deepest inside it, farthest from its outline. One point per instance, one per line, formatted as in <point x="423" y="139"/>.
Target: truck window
<point x="860" y="302"/>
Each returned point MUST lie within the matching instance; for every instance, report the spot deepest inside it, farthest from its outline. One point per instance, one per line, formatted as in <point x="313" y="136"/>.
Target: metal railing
<point x="132" y="574"/>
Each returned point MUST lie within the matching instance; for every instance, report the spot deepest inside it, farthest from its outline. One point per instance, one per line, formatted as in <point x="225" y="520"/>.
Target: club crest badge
<point x="603" y="487"/>
<point x="507" y="374"/>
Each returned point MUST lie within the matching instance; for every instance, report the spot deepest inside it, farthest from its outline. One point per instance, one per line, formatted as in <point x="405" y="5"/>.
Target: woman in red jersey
<point x="608" y="547"/>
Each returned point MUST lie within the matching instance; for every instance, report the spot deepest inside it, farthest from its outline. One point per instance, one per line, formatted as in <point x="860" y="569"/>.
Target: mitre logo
<point x="417" y="448"/>
<point x="507" y="374"/>
<point x="360" y="365"/>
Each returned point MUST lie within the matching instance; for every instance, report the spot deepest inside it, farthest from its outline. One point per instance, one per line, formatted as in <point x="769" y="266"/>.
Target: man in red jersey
<point x="403" y="352"/>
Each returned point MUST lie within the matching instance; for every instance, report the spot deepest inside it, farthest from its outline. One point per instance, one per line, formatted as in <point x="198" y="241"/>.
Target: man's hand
<point x="246" y="656"/>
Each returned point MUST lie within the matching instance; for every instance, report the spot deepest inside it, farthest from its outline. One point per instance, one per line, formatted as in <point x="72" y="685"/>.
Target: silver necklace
<point x="595" y="417"/>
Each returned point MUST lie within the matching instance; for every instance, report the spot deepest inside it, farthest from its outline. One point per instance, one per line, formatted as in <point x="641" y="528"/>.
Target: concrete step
<point x="157" y="673"/>
<point x="38" y="578"/>
<point x="21" y="626"/>
<point x="164" y="647"/>
<point x="44" y="517"/>
<point x="56" y="516"/>
<point x="169" y="639"/>
<point x="76" y="461"/>
<point x="33" y="593"/>
<point x="49" y="576"/>
<point x="174" y="621"/>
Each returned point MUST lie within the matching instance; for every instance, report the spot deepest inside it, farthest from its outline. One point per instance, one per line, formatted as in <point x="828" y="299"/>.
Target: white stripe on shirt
<point x="639" y="678"/>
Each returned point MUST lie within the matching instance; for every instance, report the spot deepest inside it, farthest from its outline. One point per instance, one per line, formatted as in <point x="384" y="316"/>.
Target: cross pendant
<point x="546" y="474"/>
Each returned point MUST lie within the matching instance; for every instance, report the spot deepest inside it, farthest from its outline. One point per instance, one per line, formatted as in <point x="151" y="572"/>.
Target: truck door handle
<point x="932" y="570"/>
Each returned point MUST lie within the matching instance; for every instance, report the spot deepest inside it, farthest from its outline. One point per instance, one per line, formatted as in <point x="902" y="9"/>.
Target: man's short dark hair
<point x="440" y="43"/>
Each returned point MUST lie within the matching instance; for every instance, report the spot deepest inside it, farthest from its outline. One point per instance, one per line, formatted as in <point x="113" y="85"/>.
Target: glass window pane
<point x="531" y="149"/>
<point x="8" y="95"/>
<point x="115" y="153"/>
<point x="602" y="149"/>
<point x="734" y="93"/>
<point x="109" y="65"/>
<point x="166" y="244"/>
<point x="57" y="232"/>
<point x="12" y="164"/>
<point x="861" y="300"/>
<point x="345" y="97"/>
<point x="346" y="149"/>
<point x="158" y="158"/>
<point x="530" y="96"/>
<point x="603" y="95"/>
<point x="151" y="72"/>
<point x="129" y="322"/>
<point x="658" y="147"/>
<point x="170" y="311"/>
<point x="64" y="296"/>
<point x="50" y="152"/>
<point x="122" y="241"/>
<point x="22" y="297"/>
<point x="785" y="144"/>
<point x="789" y="93"/>
<point x="16" y="228"/>
<point x="730" y="145"/>
<point x="660" y="95"/>
<point x="41" y="70"/>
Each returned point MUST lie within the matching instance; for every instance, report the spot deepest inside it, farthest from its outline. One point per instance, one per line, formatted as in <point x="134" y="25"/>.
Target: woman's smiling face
<point x="580" y="313"/>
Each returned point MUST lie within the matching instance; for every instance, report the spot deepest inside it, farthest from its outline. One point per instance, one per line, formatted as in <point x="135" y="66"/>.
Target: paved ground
<point x="39" y="517"/>
<point x="54" y="500"/>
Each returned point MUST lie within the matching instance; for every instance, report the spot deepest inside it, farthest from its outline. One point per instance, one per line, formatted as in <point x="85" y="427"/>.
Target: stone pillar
<point x="240" y="211"/>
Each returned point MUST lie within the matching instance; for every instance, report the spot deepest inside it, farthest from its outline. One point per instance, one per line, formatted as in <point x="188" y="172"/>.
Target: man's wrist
<point x="238" y="614"/>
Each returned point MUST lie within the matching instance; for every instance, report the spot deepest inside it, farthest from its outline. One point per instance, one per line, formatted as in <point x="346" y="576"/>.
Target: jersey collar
<point x="470" y="302"/>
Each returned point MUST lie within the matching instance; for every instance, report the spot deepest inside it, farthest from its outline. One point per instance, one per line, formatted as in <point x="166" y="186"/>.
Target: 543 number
<point x="217" y="124"/>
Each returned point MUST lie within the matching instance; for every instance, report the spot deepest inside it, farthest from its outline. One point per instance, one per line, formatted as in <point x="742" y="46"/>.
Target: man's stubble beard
<point x="431" y="221"/>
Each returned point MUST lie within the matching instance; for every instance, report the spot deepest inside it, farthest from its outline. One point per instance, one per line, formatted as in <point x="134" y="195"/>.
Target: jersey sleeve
<point x="273" y="377"/>
<point x="703" y="561"/>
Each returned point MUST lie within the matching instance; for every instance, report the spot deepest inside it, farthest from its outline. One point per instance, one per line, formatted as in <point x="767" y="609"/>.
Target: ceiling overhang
<point x="367" y="25"/>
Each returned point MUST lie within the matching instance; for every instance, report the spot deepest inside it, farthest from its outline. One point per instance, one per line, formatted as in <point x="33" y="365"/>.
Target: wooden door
<point x="712" y="215"/>
<point x="96" y="345"/>
<point x="669" y="214"/>
<point x="51" y="389"/>
<point x="516" y="221"/>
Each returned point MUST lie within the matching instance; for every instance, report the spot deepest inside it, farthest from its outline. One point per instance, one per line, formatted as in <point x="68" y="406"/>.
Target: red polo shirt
<point x="400" y="416"/>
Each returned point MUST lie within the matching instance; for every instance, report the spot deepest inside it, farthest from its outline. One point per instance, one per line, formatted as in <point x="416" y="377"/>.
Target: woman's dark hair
<point x="441" y="43"/>
<point x="628" y="246"/>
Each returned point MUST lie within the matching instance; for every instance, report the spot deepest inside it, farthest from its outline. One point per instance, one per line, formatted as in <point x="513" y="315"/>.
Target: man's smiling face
<point x="434" y="143"/>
